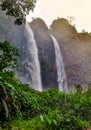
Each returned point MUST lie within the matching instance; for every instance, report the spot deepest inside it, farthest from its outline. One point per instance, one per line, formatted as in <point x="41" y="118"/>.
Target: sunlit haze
<point x="49" y="10"/>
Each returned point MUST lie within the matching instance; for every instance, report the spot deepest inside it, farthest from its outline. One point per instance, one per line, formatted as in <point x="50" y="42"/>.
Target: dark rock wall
<point x="76" y="52"/>
<point x="46" y="53"/>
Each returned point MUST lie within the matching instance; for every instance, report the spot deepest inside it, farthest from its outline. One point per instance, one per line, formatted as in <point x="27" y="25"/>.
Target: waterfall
<point x="62" y="81"/>
<point x="32" y="60"/>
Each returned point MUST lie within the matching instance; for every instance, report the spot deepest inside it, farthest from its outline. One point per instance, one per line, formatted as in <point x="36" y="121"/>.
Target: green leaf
<point x="55" y="122"/>
<point x="41" y="117"/>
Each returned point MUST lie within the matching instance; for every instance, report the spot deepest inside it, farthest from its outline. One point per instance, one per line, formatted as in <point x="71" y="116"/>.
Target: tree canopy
<point x="17" y="8"/>
<point x="8" y="56"/>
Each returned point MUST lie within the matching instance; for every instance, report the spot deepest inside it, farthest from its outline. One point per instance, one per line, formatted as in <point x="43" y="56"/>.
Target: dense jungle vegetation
<point x="23" y="108"/>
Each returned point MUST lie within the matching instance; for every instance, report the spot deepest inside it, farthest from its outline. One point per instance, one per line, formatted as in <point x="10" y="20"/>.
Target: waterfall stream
<point x="62" y="81"/>
<point x="33" y="65"/>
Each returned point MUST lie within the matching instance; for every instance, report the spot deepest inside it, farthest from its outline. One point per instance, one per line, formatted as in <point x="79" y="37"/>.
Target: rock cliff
<point x="75" y="48"/>
<point x="76" y="51"/>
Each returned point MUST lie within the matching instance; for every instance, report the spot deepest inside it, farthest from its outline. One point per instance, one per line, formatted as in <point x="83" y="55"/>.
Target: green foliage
<point x="8" y="101"/>
<point x="9" y="97"/>
<point x="78" y="87"/>
<point x="8" y="54"/>
<point x="26" y="109"/>
<point x="49" y="110"/>
<point x="57" y="120"/>
<point x="14" y="97"/>
<point x="18" y="8"/>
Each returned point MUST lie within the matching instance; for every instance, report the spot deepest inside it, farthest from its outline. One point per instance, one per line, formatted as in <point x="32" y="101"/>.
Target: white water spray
<point x="33" y="65"/>
<point x="62" y="81"/>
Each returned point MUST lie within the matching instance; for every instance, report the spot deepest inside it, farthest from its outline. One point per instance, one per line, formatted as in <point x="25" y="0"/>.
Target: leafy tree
<point x="18" y="8"/>
<point x="8" y="56"/>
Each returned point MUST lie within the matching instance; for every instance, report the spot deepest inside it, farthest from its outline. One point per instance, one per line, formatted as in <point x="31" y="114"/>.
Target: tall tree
<point x="17" y="8"/>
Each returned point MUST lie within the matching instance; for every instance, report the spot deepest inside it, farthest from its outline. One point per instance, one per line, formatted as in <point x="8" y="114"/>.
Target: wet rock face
<point x="46" y="54"/>
<point x="15" y="35"/>
<point x="76" y="52"/>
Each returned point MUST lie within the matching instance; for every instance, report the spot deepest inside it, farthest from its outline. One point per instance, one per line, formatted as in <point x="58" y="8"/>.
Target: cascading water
<point x="62" y="81"/>
<point x="32" y="60"/>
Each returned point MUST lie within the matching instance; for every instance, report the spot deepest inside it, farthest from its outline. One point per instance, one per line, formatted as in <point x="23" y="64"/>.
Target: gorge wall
<point x="46" y="53"/>
<point x="16" y="35"/>
<point x="76" y="51"/>
<point x="75" y="48"/>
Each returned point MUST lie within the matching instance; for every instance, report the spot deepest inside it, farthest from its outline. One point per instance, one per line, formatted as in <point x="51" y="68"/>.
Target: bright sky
<point x="49" y="10"/>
